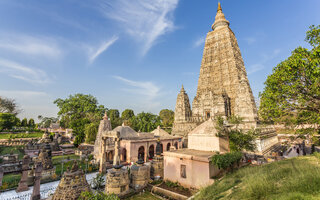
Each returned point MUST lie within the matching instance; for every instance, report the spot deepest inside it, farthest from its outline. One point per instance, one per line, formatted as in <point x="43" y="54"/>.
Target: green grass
<point x="10" y="181"/>
<point x="12" y="149"/>
<point x="144" y="196"/>
<point x="21" y="135"/>
<point x="296" y="178"/>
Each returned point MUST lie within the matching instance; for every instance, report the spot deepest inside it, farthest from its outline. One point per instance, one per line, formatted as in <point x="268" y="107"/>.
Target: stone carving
<point x="37" y="179"/>
<point x="71" y="184"/>
<point x="45" y="158"/>
<point x="223" y="86"/>
<point x="23" y="185"/>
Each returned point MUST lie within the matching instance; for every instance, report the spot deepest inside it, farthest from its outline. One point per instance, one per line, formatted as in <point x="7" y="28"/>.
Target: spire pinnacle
<point x="220" y="19"/>
<point x="182" y="88"/>
<point x="105" y="117"/>
<point x="219" y="7"/>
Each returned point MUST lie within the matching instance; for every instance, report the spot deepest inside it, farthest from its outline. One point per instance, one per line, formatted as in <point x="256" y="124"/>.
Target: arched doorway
<point x="151" y="151"/>
<point x="168" y="146"/>
<point x="161" y="147"/>
<point x="110" y="156"/>
<point x="141" y="152"/>
<point x="176" y="145"/>
<point x="124" y="155"/>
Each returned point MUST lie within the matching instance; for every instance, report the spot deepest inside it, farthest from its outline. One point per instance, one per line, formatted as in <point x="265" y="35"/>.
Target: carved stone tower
<point x="182" y="114"/>
<point x="223" y="86"/>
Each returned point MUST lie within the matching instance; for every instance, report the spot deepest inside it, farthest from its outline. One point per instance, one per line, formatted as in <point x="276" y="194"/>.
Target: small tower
<point x="182" y="115"/>
<point x="104" y="127"/>
<point x="139" y="175"/>
<point x="182" y="112"/>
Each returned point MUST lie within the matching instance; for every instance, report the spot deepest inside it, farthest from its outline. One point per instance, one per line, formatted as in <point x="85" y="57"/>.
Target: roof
<point x="206" y="128"/>
<point x="160" y="132"/>
<point x="191" y="154"/>
<point x="126" y="132"/>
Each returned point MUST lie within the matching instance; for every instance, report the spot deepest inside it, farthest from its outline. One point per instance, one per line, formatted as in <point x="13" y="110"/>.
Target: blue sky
<point x="134" y="54"/>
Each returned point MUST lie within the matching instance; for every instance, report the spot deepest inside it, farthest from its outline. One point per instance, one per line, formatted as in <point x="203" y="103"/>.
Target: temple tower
<point x="223" y="86"/>
<point x="223" y="76"/>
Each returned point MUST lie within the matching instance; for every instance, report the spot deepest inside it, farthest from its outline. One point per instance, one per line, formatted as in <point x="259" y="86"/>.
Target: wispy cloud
<point x="261" y="65"/>
<point x="250" y="40"/>
<point x="147" y="89"/>
<point x="22" y="93"/>
<point x="94" y="53"/>
<point x="144" y="20"/>
<point x="28" y="45"/>
<point x="199" y="42"/>
<point x="19" y="71"/>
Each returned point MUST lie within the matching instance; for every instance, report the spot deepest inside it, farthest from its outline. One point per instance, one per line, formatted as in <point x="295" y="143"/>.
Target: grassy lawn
<point x="21" y="135"/>
<point x="15" y="150"/>
<point x="296" y="178"/>
<point x="10" y="181"/>
<point x="144" y="196"/>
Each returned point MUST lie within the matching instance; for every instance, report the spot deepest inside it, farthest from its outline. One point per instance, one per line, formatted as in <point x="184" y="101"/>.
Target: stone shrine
<point x="156" y="171"/>
<point x="139" y="175"/>
<point x="117" y="178"/>
<point x="46" y="160"/>
<point x="72" y="183"/>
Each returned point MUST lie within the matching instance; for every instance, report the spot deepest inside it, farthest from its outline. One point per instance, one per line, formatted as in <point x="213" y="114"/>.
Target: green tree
<point x="146" y="122"/>
<point x="47" y="121"/>
<point x="7" y="121"/>
<point x="97" y="196"/>
<point x="24" y="122"/>
<point x="292" y="92"/>
<point x="167" y="118"/>
<point x="91" y="131"/>
<point x="31" y="123"/>
<point x="238" y="139"/>
<point x="78" y="110"/>
<point x="127" y="114"/>
<point x="114" y="116"/>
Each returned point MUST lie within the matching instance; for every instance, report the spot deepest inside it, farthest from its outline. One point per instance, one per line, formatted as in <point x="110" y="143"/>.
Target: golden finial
<point x="219" y="7"/>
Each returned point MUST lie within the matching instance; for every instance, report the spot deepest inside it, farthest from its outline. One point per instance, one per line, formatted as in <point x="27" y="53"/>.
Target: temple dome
<point x="126" y="132"/>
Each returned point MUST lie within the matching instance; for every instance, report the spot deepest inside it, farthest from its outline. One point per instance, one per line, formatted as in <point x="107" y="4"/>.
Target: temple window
<point x="183" y="171"/>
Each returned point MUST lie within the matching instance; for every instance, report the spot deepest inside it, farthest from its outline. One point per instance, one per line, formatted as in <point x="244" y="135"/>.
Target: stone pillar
<point x="1" y="175"/>
<point x="36" y="187"/>
<point x="116" y="158"/>
<point x="23" y="186"/>
<point x="102" y="167"/>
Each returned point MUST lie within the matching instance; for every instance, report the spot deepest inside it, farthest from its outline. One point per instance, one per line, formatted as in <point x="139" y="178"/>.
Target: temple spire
<point x="220" y="19"/>
<point x="182" y="89"/>
<point x="219" y="7"/>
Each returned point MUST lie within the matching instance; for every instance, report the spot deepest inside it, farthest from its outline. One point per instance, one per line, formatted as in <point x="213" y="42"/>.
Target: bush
<point x="224" y="161"/>
<point x="97" y="196"/>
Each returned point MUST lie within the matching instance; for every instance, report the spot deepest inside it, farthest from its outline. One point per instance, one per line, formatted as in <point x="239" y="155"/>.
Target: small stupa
<point x="157" y="163"/>
<point x="71" y="185"/>
<point x="140" y="175"/>
<point x="117" y="179"/>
